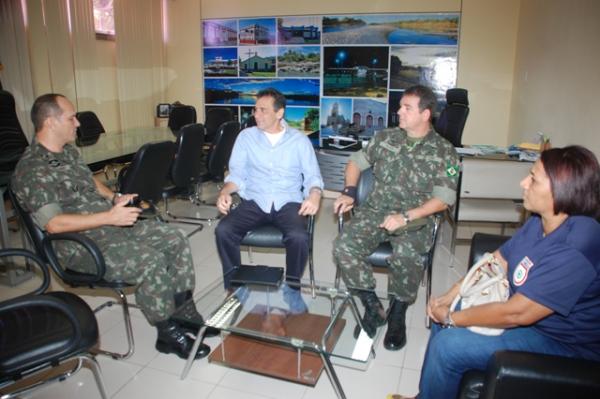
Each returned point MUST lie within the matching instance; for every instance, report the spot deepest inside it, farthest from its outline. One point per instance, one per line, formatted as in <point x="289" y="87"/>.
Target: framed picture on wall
<point x="163" y="110"/>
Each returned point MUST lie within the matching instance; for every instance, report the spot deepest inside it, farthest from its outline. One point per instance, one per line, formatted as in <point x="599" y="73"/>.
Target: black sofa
<point x="520" y="375"/>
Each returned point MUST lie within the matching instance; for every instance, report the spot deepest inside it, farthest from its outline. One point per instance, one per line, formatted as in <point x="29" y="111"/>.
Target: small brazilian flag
<point x="451" y="170"/>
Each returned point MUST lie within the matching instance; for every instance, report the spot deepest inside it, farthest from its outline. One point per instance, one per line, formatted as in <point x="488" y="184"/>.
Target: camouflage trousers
<point x="362" y="235"/>
<point x="154" y="256"/>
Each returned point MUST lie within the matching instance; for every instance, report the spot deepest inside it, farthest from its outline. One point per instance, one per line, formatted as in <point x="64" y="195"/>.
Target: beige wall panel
<point x="485" y="67"/>
<point x="38" y="49"/>
<point x="245" y="8"/>
<point x="107" y="104"/>
<point x="60" y="56"/>
<point x="557" y="81"/>
<point x="184" y="54"/>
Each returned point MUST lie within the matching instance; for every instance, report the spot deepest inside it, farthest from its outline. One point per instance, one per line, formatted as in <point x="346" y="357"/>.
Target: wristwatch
<point x="406" y="217"/>
<point x="448" y="322"/>
<point x="115" y="196"/>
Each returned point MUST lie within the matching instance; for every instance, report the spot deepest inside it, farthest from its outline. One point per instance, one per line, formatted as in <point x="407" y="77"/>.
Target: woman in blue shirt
<point x="553" y="268"/>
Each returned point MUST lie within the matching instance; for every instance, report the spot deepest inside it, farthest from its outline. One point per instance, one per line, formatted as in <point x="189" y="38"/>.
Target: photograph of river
<point x="242" y="91"/>
<point x="429" y="29"/>
<point x="433" y="66"/>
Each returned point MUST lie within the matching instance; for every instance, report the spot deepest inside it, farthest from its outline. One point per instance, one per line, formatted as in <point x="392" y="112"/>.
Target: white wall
<point x="557" y="80"/>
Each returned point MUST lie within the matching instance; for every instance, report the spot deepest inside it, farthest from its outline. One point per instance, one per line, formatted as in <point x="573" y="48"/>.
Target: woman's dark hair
<point x="574" y="176"/>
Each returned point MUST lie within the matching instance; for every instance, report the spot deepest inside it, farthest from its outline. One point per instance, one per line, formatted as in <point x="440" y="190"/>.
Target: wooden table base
<point x="274" y="359"/>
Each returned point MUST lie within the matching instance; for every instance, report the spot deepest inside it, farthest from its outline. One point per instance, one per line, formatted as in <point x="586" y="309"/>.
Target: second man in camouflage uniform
<point x="415" y="175"/>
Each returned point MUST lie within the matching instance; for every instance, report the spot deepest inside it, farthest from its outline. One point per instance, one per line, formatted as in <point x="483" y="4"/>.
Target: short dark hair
<point x="44" y="107"/>
<point x="574" y="176"/>
<point x="278" y="98"/>
<point x="427" y="99"/>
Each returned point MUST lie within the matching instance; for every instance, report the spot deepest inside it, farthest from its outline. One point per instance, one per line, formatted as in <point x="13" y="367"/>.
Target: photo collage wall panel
<point x="342" y="75"/>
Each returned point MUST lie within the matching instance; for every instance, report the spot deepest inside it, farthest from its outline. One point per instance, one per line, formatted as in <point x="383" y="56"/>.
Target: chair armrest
<point x="517" y="375"/>
<point x="471" y="384"/>
<point x="88" y="244"/>
<point x="5" y="253"/>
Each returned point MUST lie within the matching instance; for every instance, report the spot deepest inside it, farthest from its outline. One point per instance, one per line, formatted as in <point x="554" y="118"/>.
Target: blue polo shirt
<point x="562" y="272"/>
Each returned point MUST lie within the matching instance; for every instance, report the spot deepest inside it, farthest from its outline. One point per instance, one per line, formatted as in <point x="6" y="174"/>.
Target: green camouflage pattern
<point x="152" y="255"/>
<point x="406" y="175"/>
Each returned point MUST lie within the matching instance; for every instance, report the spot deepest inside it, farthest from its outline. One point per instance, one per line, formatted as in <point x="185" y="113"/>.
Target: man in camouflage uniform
<point x="58" y="189"/>
<point x="415" y="174"/>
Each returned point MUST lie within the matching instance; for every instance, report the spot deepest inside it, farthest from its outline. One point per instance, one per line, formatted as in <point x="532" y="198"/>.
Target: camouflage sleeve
<point x="36" y="191"/>
<point x="366" y="158"/>
<point x="445" y="182"/>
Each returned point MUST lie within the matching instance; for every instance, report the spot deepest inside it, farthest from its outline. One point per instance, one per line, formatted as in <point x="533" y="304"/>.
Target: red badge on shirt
<point x="521" y="271"/>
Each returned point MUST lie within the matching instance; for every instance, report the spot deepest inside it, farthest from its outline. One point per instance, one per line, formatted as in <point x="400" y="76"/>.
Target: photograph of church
<point x="257" y="61"/>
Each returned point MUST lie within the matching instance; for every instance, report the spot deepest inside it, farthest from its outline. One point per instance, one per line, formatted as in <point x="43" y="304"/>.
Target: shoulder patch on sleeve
<point x="451" y="170"/>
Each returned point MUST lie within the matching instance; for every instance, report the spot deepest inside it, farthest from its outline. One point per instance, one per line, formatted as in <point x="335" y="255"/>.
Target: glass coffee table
<point x="266" y="330"/>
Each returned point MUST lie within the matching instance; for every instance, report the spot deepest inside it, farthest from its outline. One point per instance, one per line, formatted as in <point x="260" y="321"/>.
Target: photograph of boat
<point x="221" y="61"/>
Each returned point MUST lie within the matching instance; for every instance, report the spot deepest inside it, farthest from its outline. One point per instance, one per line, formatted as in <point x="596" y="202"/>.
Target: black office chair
<point x="185" y="173"/>
<point x="451" y="122"/>
<point x="147" y="174"/>
<point x="215" y="117"/>
<point x="43" y="243"/>
<point x="520" y="375"/>
<point x="269" y="236"/>
<point x="41" y="332"/>
<point x="218" y="158"/>
<point x="249" y="122"/>
<point x="90" y="128"/>
<point x="380" y="256"/>
<point x="181" y="115"/>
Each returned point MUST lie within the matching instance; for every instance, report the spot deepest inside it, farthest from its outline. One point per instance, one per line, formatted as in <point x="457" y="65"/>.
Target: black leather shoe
<point x="187" y="316"/>
<point x="395" y="337"/>
<point x="374" y="316"/>
<point x="173" y="339"/>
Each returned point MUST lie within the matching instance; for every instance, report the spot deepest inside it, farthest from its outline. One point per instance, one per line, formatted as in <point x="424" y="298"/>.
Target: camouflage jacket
<point x="408" y="174"/>
<point x="48" y="184"/>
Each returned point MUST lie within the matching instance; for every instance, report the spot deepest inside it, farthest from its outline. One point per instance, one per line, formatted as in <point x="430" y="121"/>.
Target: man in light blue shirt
<point x="274" y="169"/>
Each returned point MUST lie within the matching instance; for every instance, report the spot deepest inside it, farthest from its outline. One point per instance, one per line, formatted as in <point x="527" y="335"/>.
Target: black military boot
<point x="395" y="337"/>
<point x="173" y="339"/>
<point x="374" y="316"/>
<point x="187" y="316"/>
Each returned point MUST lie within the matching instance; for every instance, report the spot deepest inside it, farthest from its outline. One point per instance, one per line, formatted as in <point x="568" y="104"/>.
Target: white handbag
<point x="485" y="283"/>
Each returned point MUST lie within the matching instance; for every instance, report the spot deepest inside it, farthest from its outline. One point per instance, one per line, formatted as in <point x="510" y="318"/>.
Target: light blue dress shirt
<point x="273" y="175"/>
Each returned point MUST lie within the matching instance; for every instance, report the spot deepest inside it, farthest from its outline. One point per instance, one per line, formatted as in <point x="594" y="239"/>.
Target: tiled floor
<point x="149" y="374"/>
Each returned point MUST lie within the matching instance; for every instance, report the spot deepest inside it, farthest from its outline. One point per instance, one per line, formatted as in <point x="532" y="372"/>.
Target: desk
<point x="490" y="189"/>
<point x="119" y="146"/>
